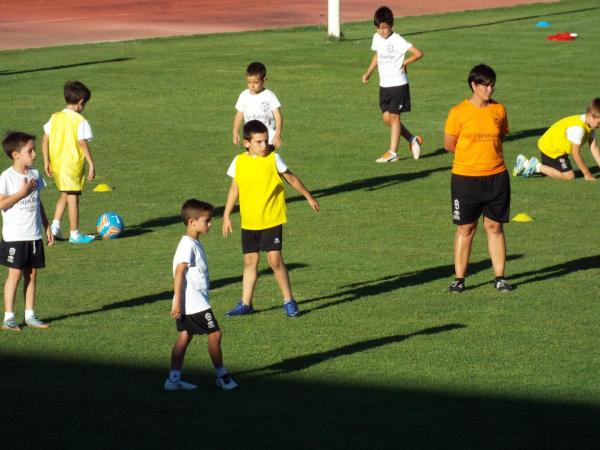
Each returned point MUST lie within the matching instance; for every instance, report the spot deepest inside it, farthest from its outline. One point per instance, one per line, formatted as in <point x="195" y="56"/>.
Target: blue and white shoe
<point x="530" y="167"/>
<point x="178" y="385"/>
<point x="226" y="383"/>
<point x="239" y="310"/>
<point x="291" y="308"/>
<point x="11" y="325"/>
<point x="81" y="239"/>
<point x="519" y="165"/>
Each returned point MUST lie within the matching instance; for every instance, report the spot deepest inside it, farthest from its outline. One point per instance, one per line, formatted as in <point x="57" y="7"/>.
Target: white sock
<point x="28" y="314"/>
<point x="56" y="223"/>
<point x="175" y="375"/>
<point x="74" y="233"/>
<point x="221" y="371"/>
<point x="538" y="167"/>
<point x="8" y="315"/>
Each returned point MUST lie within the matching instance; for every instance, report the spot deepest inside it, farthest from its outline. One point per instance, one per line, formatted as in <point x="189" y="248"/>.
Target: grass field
<point x="382" y="356"/>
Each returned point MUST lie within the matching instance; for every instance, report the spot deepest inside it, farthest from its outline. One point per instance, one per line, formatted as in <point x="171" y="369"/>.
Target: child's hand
<point x="236" y="139"/>
<point x="175" y="312"/>
<point x="91" y="172"/>
<point x="314" y="204"/>
<point x="227" y="228"/>
<point x="47" y="169"/>
<point x="49" y="236"/>
<point x="28" y="187"/>
<point x="277" y="141"/>
<point x="365" y="78"/>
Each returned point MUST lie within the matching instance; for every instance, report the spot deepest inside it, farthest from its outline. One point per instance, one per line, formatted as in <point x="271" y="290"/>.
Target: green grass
<point x="383" y="357"/>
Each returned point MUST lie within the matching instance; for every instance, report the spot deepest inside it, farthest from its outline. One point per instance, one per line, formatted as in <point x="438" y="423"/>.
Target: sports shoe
<point x="179" y="385"/>
<point x="530" y="167"/>
<point x="240" y="309"/>
<point x="11" y="325"/>
<point x="81" y="239"/>
<point x="34" y="322"/>
<point x="457" y="286"/>
<point x="226" y="383"/>
<point x="415" y="146"/>
<point x="387" y="157"/>
<point x="291" y="308"/>
<point x="56" y="232"/>
<point x="519" y="165"/>
<point x="502" y="285"/>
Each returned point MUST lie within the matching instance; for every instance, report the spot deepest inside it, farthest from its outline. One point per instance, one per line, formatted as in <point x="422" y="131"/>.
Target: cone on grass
<point x="103" y="187"/>
<point x="522" y="217"/>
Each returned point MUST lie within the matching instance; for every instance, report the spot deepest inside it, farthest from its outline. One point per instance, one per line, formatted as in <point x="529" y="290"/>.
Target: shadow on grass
<point x="523" y="134"/>
<point x="60" y="404"/>
<point x="64" y="66"/>
<point x="558" y="270"/>
<point x="161" y="296"/>
<point x="305" y="361"/>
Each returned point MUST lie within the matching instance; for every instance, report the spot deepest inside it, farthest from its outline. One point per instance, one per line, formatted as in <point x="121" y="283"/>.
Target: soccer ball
<point x="110" y="225"/>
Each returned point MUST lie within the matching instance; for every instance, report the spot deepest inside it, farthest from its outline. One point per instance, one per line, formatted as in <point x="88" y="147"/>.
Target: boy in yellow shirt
<point x="564" y="137"/>
<point x="257" y="180"/>
<point x="65" y="148"/>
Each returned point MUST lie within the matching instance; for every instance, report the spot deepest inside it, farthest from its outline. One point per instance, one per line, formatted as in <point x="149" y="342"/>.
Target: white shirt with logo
<point x="23" y="220"/>
<point x="195" y="283"/>
<point x="390" y="57"/>
<point x="259" y="107"/>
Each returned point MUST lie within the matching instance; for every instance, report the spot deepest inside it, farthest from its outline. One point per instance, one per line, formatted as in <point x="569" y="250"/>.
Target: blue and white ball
<point x="110" y="225"/>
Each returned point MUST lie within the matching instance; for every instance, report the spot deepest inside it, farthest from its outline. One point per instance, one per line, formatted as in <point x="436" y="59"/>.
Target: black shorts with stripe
<point x="474" y="196"/>
<point x="21" y="254"/>
<point x="203" y="322"/>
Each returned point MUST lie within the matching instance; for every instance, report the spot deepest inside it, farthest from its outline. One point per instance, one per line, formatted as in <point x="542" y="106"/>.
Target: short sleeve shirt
<point x="279" y="163"/>
<point x="196" y="282"/>
<point x="259" y="107"/>
<point x="23" y="220"/>
<point x="84" y="131"/>
<point x="390" y="58"/>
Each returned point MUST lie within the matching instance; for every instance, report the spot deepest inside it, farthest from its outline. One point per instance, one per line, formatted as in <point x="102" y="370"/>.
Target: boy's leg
<point x="29" y="286"/>
<point x="463" y="241"/>
<point x="73" y="202"/>
<point x="179" y="348"/>
<point x="393" y="121"/>
<point x="61" y="204"/>
<point x="249" y="277"/>
<point x="553" y="173"/>
<point x="10" y="292"/>
<point x="275" y="260"/>
<point x="214" y="349"/>
<point x="496" y="245"/>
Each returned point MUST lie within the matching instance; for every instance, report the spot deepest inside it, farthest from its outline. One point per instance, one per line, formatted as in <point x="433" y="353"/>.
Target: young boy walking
<point x="258" y="103"/>
<point x="394" y="94"/>
<point x="257" y="180"/>
<point x="65" y="148"/>
<point x="191" y="308"/>
<point x="565" y="137"/>
<point x="23" y="221"/>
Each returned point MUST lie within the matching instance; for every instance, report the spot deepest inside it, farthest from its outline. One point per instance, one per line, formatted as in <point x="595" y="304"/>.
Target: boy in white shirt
<point x="394" y="94"/>
<point x="258" y="103"/>
<point x="23" y="220"/>
<point x="191" y="308"/>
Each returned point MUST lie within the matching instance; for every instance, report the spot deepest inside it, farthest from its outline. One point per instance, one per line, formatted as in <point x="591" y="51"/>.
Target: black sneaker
<point x="502" y="285"/>
<point x="457" y="286"/>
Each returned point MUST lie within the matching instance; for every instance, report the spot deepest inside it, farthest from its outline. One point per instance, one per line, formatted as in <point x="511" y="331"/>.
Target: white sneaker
<point x="56" y="232"/>
<point x="415" y="146"/>
<point x="179" y="385"/>
<point x="387" y="157"/>
<point x="226" y="382"/>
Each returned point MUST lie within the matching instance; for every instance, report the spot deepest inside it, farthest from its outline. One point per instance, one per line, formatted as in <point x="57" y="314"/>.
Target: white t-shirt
<point x="390" y="57"/>
<point x="279" y="162"/>
<point x="196" y="284"/>
<point x="259" y="107"/>
<point x="575" y="133"/>
<point x="23" y="220"/>
<point x="84" y="131"/>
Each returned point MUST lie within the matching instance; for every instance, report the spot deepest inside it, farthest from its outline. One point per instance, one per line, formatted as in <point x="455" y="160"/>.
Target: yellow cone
<point x="522" y="217"/>
<point x="102" y="187"/>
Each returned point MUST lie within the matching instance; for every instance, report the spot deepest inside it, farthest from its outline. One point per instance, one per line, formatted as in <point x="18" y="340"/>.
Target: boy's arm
<point x="46" y="225"/>
<point x="370" y="69"/>
<point x="232" y="196"/>
<point x="576" y="151"/>
<point x="88" y="157"/>
<point x="46" y="154"/>
<point x="8" y="201"/>
<point x="278" y="127"/>
<point x="450" y="142"/>
<point x="297" y="184"/>
<point x="237" y="122"/>
<point x="176" y="308"/>
<point x="415" y="54"/>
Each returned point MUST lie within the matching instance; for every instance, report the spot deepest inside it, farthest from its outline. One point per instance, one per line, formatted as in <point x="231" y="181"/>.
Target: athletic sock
<point x="462" y="280"/>
<point x="29" y="314"/>
<point x="56" y="223"/>
<point x="74" y="233"/>
<point x="221" y="371"/>
<point x="8" y="315"/>
<point x="175" y="376"/>
<point x="538" y="166"/>
<point x="500" y="278"/>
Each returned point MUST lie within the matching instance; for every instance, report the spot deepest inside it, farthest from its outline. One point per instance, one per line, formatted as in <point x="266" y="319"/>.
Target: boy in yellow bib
<point x="565" y="137"/>
<point x="257" y="181"/>
<point x="65" y="148"/>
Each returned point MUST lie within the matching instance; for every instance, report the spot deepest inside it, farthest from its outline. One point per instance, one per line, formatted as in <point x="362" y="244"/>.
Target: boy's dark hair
<point x="192" y="209"/>
<point x="15" y="141"/>
<point x="256" y="68"/>
<point x="76" y="91"/>
<point x="383" y="15"/>
<point x="482" y="74"/>
<point x="253" y="127"/>
<point x="594" y="107"/>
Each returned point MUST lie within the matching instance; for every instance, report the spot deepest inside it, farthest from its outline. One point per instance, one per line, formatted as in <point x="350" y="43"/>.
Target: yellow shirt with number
<point x="554" y="142"/>
<point x="66" y="156"/>
<point x="261" y="192"/>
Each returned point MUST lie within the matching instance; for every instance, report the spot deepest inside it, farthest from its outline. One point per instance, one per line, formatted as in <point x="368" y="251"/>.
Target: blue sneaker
<point x="530" y="167"/>
<point x="239" y="310"/>
<point x="519" y="165"/>
<point x="291" y="308"/>
<point x="81" y="239"/>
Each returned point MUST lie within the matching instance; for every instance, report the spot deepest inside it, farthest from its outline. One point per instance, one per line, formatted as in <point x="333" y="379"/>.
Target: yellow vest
<point x="66" y="157"/>
<point x="554" y="142"/>
<point x="261" y="192"/>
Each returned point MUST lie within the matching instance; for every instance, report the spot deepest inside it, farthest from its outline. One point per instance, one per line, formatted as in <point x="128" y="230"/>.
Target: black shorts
<point x="203" y="322"/>
<point x="473" y="196"/>
<point x="267" y="240"/>
<point x="21" y="254"/>
<point x="562" y="163"/>
<point x="395" y="99"/>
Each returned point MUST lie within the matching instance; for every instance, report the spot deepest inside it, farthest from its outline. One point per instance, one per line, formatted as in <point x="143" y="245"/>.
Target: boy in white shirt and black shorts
<point x="191" y="308"/>
<point x="23" y="221"/>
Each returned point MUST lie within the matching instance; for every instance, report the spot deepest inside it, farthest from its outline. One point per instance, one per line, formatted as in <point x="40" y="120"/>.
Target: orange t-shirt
<point x="479" y="133"/>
